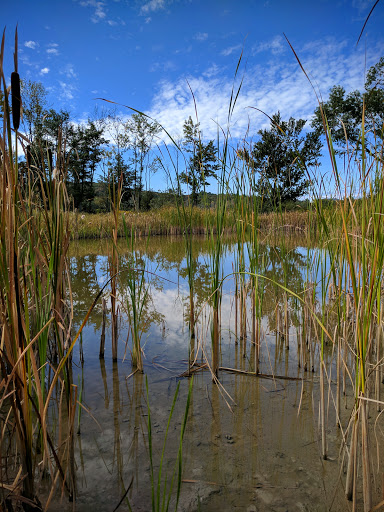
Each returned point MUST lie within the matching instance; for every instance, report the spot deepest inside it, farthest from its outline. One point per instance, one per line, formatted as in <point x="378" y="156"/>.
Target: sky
<point x="178" y="58"/>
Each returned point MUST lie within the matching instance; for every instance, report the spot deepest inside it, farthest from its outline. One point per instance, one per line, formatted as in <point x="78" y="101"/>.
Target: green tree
<point x="119" y="169"/>
<point x="86" y="152"/>
<point x="139" y="137"/>
<point x="344" y="112"/>
<point x="203" y="163"/>
<point x="34" y="101"/>
<point x="281" y="158"/>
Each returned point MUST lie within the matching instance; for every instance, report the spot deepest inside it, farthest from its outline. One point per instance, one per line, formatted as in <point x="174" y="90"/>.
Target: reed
<point x="115" y="193"/>
<point x="35" y="314"/>
<point x="360" y="253"/>
<point x="167" y="221"/>
<point x="138" y="295"/>
<point x="162" y="486"/>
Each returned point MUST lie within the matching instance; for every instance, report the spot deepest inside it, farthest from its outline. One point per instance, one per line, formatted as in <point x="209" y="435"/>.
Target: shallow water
<point x="251" y="443"/>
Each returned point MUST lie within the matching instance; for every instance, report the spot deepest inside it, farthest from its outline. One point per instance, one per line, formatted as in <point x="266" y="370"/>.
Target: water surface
<point x="252" y="443"/>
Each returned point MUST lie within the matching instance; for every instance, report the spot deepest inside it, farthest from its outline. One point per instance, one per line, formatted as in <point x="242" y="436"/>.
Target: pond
<point x="251" y="442"/>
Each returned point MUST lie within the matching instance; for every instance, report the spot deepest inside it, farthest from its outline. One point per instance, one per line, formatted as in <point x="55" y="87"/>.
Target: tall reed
<point x="162" y="486"/>
<point x="359" y="221"/>
<point x="34" y="310"/>
<point x="138" y="295"/>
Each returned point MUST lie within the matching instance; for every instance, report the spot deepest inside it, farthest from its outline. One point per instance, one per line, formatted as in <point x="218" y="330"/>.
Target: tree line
<point x="107" y="149"/>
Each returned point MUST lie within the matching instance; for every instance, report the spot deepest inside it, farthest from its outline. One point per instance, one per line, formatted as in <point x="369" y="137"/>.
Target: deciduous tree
<point x="203" y="162"/>
<point x="344" y="112"/>
<point x="281" y="158"/>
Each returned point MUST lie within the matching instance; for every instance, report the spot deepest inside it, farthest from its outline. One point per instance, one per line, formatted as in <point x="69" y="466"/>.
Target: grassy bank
<point x="166" y="221"/>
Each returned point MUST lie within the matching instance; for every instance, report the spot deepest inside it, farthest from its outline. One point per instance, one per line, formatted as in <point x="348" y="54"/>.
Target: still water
<point x="251" y="443"/>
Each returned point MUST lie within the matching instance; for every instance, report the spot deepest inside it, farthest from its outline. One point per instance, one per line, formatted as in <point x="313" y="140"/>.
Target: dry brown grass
<point x="166" y="221"/>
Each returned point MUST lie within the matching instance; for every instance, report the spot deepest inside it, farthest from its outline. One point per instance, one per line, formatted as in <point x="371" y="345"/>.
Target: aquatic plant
<point x="35" y="313"/>
<point x="138" y="290"/>
<point x="162" y="486"/>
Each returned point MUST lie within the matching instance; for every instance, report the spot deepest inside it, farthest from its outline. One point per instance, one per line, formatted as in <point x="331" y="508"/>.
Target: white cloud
<point x="53" y="51"/>
<point x="100" y="12"/>
<point x="168" y="65"/>
<point x="151" y="6"/>
<point x="69" y="71"/>
<point x="230" y="50"/>
<point x="148" y="20"/>
<point x="362" y="5"/>
<point x="280" y="85"/>
<point x="201" y="36"/>
<point x="212" y="71"/>
<point x="44" y="71"/>
<point x="66" y="91"/>
<point x="31" y="44"/>
<point x="276" y="45"/>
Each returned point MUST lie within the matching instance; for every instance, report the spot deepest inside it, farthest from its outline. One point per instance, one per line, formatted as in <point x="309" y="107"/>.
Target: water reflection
<point x="246" y="445"/>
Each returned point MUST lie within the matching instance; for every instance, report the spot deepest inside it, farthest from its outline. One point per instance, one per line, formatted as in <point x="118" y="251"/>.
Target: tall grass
<point x="162" y="486"/>
<point x="138" y="295"/>
<point x="35" y="314"/>
<point x="168" y="221"/>
<point x="355" y="238"/>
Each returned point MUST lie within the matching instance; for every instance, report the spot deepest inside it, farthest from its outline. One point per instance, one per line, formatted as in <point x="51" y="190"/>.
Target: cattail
<point x="50" y="160"/>
<point x="16" y="99"/>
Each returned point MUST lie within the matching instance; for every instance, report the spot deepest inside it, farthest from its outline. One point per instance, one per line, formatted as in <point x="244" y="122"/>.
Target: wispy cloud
<point x="99" y="12"/>
<point x="275" y="46"/>
<point x="52" y="51"/>
<point x="152" y="6"/>
<point x="167" y="65"/>
<point x="201" y="36"/>
<point x="230" y="50"/>
<point x="212" y="71"/>
<point x="31" y="44"/>
<point x="67" y="91"/>
<point x="69" y="71"/>
<point x="44" y="71"/>
<point x="362" y="5"/>
<point x="280" y="86"/>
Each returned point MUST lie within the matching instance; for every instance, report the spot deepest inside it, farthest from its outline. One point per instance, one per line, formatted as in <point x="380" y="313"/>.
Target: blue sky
<point x="144" y="53"/>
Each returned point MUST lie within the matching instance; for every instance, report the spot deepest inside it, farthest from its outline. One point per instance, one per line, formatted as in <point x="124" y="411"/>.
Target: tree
<point x="34" y="100"/>
<point x="86" y="153"/>
<point x="203" y="163"/>
<point x="344" y="112"/>
<point x="281" y="158"/>
<point x="118" y="169"/>
<point x="139" y="136"/>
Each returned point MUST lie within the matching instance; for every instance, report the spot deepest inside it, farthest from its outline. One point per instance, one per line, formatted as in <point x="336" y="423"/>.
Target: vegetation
<point x="344" y="112"/>
<point x="35" y="320"/>
<point x="203" y="161"/>
<point x="332" y="313"/>
<point x="283" y="158"/>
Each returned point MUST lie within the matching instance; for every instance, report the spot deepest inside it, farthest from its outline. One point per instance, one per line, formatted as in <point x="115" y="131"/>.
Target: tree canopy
<point x="281" y="158"/>
<point x="344" y="111"/>
<point x="202" y="164"/>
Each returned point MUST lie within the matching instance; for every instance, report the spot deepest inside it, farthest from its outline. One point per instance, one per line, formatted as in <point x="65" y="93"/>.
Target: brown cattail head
<point x="50" y="160"/>
<point x="16" y="99"/>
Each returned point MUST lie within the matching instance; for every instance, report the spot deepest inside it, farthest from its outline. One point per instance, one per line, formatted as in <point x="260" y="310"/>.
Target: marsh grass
<point x="137" y="285"/>
<point x="35" y="317"/>
<point x="162" y="486"/>
<point x="168" y="221"/>
<point x="357" y="277"/>
<point x="337" y="309"/>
